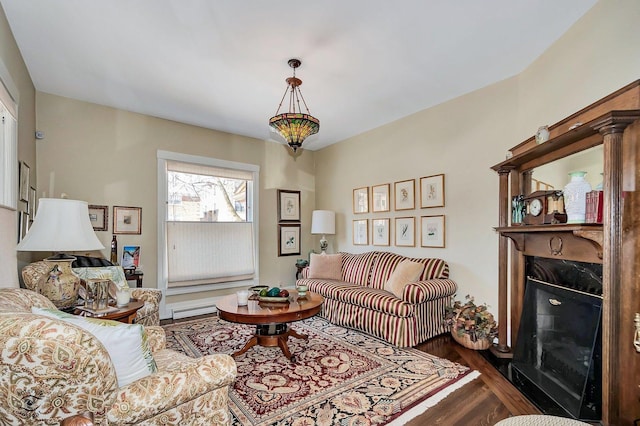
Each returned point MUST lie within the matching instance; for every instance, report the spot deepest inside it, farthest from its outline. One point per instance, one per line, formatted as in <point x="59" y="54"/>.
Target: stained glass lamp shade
<point x="294" y="126"/>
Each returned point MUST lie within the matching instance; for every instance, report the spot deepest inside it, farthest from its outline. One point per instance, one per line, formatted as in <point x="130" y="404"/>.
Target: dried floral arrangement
<point x="471" y="319"/>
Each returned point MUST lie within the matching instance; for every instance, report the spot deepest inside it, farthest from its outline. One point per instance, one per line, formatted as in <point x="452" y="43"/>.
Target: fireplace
<point x="558" y="350"/>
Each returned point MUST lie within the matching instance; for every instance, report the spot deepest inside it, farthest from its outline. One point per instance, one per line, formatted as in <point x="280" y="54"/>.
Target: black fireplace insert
<point x="558" y="351"/>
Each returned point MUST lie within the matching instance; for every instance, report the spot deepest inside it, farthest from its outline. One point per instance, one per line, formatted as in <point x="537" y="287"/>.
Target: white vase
<point x="575" y="197"/>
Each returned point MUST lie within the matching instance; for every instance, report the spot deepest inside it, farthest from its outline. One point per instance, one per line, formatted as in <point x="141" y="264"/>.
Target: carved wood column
<point x="629" y="359"/>
<point x="611" y="274"/>
<point x="504" y="208"/>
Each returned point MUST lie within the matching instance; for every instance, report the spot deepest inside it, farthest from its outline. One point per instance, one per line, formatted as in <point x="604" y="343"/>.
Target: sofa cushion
<point x="327" y="266"/>
<point x="366" y="297"/>
<point x="326" y="288"/>
<point x="356" y="268"/>
<point x="126" y="343"/>
<point x="406" y="272"/>
<point x="113" y="273"/>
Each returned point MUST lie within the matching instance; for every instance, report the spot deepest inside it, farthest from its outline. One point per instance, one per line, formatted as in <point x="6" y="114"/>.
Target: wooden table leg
<point x="279" y="340"/>
<point x="251" y="343"/>
<point x="295" y="334"/>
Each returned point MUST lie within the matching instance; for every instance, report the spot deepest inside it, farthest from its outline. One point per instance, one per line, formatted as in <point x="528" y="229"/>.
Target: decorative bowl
<point x="273" y="299"/>
<point x="257" y="288"/>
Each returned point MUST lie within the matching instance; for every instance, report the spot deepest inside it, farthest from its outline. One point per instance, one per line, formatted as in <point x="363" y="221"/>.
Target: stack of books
<point x="593" y="212"/>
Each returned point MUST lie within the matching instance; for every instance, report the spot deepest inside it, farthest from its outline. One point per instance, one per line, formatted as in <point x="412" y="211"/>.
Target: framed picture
<point x="289" y="241"/>
<point x="361" y="200"/>
<point x="130" y="257"/>
<point x="380" y="232"/>
<point x="380" y="195"/>
<point x="99" y="217"/>
<point x="361" y="232"/>
<point x="127" y="220"/>
<point x="32" y="202"/>
<point x="432" y="191"/>
<point x="405" y="194"/>
<point x="432" y="230"/>
<point x="405" y="231"/>
<point x="288" y="206"/>
<point x="23" y="224"/>
<point x="24" y="182"/>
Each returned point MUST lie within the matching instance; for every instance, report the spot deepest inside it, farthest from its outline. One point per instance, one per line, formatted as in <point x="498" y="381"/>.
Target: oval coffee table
<point x="270" y="318"/>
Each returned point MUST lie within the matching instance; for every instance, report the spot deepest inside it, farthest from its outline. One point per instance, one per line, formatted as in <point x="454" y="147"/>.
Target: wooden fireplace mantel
<point x="614" y="123"/>
<point x="579" y="242"/>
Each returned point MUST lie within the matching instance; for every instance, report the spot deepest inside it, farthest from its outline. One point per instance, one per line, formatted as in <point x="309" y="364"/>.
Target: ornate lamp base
<point x="59" y="284"/>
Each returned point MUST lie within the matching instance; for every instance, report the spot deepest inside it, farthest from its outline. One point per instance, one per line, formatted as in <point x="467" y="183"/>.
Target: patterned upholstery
<point x="51" y="370"/>
<point x="360" y="301"/>
<point x="148" y="314"/>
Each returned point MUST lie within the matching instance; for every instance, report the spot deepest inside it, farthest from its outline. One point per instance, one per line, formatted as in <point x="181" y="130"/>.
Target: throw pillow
<point x="406" y="272"/>
<point x="326" y="266"/>
<point x="126" y="343"/>
<point x="113" y="273"/>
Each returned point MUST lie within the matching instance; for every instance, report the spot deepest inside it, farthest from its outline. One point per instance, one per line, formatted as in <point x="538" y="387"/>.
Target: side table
<point x="126" y="314"/>
<point x="133" y="275"/>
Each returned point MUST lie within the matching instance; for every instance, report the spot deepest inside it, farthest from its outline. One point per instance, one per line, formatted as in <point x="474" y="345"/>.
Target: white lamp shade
<point x="323" y="222"/>
<point x="61" y="225"/>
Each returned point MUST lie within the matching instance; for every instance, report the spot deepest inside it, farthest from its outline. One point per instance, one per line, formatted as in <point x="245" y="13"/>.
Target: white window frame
<point x="163" y="199"/>
<point x="8" y="140"/>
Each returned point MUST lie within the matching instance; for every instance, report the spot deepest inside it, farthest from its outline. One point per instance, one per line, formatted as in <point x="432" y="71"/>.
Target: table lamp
<point x="323" y="222"/>
<point x="60" y="226"/>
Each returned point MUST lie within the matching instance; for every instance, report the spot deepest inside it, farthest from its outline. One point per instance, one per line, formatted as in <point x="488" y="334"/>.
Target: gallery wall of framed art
<point x="289" y="222"/>
<point x="407" y="229"/>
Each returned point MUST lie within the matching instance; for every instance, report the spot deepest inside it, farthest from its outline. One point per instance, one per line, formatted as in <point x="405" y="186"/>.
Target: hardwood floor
<point x="482" y="402"/>
<point x="485" y="401"/>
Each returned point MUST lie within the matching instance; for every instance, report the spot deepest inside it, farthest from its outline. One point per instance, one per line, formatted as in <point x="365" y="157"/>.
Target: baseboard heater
<point x="193" y="308"/>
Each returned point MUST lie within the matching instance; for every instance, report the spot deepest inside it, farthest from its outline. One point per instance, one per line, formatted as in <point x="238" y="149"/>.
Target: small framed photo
<point x="432" y="230"/>
<point x="288" y="206"/>
<point x="361" y="232"/>
<point x="99" y="217"/>
<point x="432" y="191"/>
<point x="380" y="195"/>
<point x="405" y="194"/>
<point x="361" y="200"/>
<point x="127" y="220"/>
<point x="24" y="182"/>
<point x="405" y="231"/>
<point x="289" y="241"/>
<point x="23" y="224"/>
<point x="380" y="232"/>
<point x="32" y="203"/>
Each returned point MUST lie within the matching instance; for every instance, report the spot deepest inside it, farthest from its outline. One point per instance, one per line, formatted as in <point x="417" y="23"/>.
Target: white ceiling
<point x="222" y="64"/>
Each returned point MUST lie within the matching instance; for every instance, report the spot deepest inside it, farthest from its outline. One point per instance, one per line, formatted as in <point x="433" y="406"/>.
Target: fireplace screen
<point x="558" y="347"/>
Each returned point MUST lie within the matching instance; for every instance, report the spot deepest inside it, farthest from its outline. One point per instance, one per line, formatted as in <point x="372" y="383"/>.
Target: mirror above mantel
<point x="555" y="175"/>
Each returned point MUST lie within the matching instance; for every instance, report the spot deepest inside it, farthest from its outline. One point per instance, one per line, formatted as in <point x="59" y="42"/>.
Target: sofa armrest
<point x="182" y="382"/>
<point x="152" y="296"/>
<point x="305" y="272"/>
<point x="156" y="337"/>
<point x="46" y="362"/>
<point x="423" y="291"/>
<point x="148" y="314"/>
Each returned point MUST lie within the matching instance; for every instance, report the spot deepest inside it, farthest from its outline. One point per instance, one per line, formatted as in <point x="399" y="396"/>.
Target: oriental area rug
<point x="339" y="376"/>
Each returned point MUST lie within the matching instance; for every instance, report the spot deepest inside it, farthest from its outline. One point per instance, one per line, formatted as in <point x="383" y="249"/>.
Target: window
<point x="8" y="151"/>
<point x="208" y="234"/>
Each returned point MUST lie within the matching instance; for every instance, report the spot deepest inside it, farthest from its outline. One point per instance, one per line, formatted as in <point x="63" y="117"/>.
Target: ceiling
<point x="222" y="64"/>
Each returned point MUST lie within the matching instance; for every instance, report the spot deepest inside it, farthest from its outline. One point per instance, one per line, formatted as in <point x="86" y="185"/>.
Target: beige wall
<point x="463" y="138"/>
<point x="22" y="88"/>
<point x="107" y="156"/>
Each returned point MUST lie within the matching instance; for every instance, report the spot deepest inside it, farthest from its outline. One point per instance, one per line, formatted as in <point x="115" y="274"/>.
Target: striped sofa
<point x="359" y="301"/>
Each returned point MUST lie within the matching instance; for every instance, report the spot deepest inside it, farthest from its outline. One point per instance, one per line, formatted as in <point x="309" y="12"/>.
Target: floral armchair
<point x="51" y="370"/>
<point x="148" y="314"/>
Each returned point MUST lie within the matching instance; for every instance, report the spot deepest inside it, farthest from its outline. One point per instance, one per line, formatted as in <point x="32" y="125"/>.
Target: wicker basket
<point x="465" y="340"/>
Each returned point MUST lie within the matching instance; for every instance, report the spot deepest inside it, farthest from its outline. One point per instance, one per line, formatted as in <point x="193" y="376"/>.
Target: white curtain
<point x="209" y="252"/>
